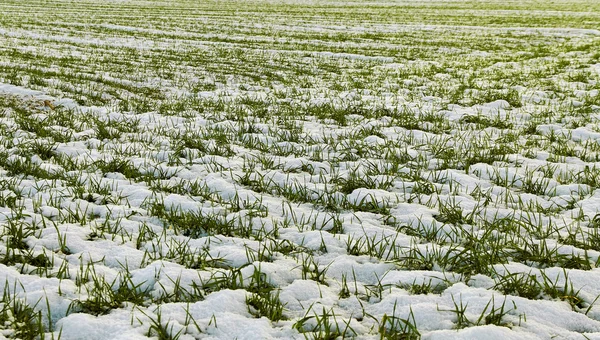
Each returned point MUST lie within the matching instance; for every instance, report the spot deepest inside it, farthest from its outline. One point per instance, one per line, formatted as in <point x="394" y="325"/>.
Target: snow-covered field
<point x="299" y="169"/>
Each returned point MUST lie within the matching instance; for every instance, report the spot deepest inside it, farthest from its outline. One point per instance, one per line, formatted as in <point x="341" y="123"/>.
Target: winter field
<point x="295" y="169"/>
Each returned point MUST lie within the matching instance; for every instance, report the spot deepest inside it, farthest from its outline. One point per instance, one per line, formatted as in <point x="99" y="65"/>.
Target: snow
<point x="334" y="173"/>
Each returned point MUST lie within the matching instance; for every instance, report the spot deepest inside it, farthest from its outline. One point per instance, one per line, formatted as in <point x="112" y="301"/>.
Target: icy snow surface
<point x="282" y="170"/>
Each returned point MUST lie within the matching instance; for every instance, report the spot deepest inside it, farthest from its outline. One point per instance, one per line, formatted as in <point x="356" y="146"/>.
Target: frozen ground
<point x="298" y="169"/>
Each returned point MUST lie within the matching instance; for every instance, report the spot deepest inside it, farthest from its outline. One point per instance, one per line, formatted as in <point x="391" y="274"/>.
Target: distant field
<point x="299" y="169"/>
